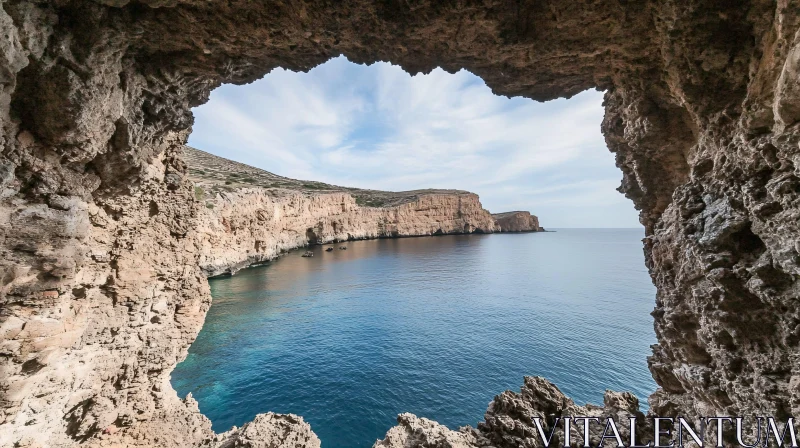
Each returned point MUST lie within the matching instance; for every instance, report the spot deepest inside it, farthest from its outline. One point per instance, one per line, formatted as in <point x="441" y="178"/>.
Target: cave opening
<point x="376" y="127"/>
<point x="308" y="150"/>
<point x="106" y="292"/>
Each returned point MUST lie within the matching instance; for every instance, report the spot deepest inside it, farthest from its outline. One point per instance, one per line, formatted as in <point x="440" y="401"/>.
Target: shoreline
<point x="397" y="237"/>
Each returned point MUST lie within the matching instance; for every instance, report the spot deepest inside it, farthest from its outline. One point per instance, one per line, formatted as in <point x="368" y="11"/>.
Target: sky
<point x="378" y="127"/>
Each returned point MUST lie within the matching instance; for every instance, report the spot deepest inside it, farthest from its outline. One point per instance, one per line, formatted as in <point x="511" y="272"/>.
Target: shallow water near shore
<point x="435" y="326"/>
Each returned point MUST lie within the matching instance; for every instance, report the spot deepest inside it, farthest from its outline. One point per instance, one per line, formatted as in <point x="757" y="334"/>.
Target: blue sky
<point x="378" y="127"/>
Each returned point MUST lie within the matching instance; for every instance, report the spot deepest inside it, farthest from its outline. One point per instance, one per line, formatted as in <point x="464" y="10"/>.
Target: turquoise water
<point x="435" y="326"/>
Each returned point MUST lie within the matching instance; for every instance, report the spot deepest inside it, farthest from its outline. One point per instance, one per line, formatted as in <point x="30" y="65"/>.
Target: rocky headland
<point x="102" y="242"/>
<point x="251" y="215"/>
<point x="517" y="221"/>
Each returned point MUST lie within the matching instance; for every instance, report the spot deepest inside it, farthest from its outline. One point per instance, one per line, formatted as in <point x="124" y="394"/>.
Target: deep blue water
<point x="436" y="326"/>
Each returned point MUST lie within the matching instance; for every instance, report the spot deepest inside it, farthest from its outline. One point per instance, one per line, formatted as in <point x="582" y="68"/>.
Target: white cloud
<point x="378" y="127"/>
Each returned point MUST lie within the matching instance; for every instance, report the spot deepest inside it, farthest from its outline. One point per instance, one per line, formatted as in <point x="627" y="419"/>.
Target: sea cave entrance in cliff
<point x="350" y="337"/>
<point x="104" y="242"/>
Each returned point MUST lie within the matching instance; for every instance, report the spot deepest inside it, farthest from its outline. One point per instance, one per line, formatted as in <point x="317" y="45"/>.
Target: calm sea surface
<point x="436" y="326"/>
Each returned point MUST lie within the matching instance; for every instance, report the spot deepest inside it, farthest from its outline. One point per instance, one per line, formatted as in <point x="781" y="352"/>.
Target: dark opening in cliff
<point x="378" y="128"/>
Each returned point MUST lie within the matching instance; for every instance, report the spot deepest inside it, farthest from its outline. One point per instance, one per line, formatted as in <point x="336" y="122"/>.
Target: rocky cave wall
<point x="101" y="287"/>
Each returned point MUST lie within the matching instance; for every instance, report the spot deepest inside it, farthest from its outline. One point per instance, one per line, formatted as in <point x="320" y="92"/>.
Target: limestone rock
<point x="271" y="431"/>
<point x="414" y="432"/>
<point x="252" y="225"/>
<point x="508" y="422"/>
<point x="251" y="215"/>
<point x="516" y="222"/>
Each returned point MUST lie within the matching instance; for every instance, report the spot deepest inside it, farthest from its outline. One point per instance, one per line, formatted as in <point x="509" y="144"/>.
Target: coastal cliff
<point x="517" y="221"/>
<point x="250" y="225"/>
<point x="102" y="289"/>
<point x="251" y="215"/>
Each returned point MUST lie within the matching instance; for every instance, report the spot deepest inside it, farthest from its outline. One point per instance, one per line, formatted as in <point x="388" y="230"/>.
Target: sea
<point x="436" y="326"/>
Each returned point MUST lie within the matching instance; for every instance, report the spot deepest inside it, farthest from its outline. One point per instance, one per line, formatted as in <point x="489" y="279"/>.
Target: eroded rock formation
<point x="270" y="431"/>
<point x="518" y="221"/>
<point x="102" y="290"/>
<point x="509" y="422"/>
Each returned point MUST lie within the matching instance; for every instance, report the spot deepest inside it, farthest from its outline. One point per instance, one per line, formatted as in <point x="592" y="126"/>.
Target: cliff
<point x="101" y="284"/>
<point x="516" y="222"/>
<point x="251" y="215"/>
<point x="251" y="225"/>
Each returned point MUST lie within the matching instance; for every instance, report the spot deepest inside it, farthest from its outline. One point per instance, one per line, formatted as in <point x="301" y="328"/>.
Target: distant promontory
<point x="249" y="215"/>
<point x="517" y="221"/>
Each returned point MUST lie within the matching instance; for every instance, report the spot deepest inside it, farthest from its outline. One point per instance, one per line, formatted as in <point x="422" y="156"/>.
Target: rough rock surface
<point x="270" y="431"/>
<point x="516" y="222"/>
<point x="509" y="422"/>
<point x="102" y="290"/>
<point x="413" y="431"/>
